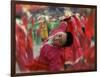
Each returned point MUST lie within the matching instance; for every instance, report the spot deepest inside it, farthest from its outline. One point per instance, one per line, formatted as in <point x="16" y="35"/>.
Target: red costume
<point x="53" y="57"/>
<point x="21" y="55"/>
<point x="90" y="25"/>
<point x="24" y="44"/>
<point x="75" y="50"/>
<point x="29" y="42"/>
<point x="89" y="52"/>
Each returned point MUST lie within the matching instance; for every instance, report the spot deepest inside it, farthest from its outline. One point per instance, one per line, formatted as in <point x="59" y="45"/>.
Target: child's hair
<point x="69" y="39"/>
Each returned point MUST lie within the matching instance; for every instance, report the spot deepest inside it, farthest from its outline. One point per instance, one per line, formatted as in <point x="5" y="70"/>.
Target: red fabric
<point x="73" y="52"/>
<point x="25" y="21"/>
<point x="51" y="59"/>
<point x="62" y="28"/>
<point x="36" y="65"/>
<point x="89" y="55"/>
<point x="71" y="25"/>
<point x="78" y="22"/>
<point x="21" y="48"/>
<point x="52" y="56"/>
<point x="79" y="25"/>
<point x="29" y="47"/>
<point x="84" y="20"/>
<point x="90" y="26"/>
<point x="24" y="47"/>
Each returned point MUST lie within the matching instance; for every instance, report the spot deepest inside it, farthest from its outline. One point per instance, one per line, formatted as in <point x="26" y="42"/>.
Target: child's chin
<point x="56" y="44"/>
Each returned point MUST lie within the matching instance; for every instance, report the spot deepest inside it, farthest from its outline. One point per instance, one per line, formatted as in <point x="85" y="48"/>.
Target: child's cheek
<point x="56" y="43"/>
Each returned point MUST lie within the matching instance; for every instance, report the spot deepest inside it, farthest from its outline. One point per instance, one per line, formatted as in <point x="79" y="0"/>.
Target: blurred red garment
<point x="24" y="44"/>
<point x="89" y="55"/>
<point x="29" y="40"/>
<point x="21" y="55"/>
<point x="25" y="21"/>
<point x="51" y="59"/>
<point x="73" y="52"/>
<point x="90" y="26"/>
<point x="62" y="28"/>
<point x="30" y="44"/>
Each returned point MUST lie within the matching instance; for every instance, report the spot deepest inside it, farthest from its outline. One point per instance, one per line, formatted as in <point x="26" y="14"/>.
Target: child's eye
<point x="60" y="35"/>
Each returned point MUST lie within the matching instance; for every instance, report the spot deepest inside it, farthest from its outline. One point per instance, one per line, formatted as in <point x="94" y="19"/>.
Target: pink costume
<point x="53" y="57"/>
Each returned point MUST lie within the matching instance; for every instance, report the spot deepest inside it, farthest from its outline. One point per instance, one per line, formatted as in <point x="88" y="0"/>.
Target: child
<point x="52" y="53"/>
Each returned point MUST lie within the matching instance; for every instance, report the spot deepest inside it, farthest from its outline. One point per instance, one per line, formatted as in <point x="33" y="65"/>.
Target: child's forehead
<point x="60" y="33"/>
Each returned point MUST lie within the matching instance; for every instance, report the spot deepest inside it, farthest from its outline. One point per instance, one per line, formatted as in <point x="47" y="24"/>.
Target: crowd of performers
<point x="67" y="42"/>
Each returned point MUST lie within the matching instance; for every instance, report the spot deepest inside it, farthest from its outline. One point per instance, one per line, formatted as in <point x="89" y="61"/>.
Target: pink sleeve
<point x="43" y="52"/>
<point x="55" y="62"/>
<point x="54" y="65"/>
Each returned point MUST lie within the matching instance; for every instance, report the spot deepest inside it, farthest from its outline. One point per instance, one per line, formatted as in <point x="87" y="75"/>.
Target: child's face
<point x="59" y="38"/>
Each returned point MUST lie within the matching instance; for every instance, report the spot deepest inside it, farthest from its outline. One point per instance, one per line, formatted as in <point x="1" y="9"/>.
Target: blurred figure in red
<point x="89" y="49"/>
<point x="21" y="37"/>
<point x="74" y="53"/>
<point x="29" y="23"/>
<point x="24" y="42"/>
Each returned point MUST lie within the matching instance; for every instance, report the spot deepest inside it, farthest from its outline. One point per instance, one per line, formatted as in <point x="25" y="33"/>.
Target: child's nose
<point x="57" y="38"/>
